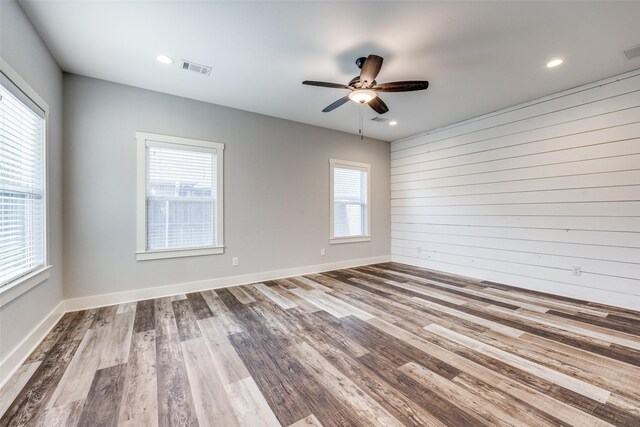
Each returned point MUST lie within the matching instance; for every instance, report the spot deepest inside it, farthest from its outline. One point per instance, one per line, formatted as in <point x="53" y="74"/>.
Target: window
<point x="22" y="184"/>
<point x="349" y="201"/>
<point x="179" y="197"/>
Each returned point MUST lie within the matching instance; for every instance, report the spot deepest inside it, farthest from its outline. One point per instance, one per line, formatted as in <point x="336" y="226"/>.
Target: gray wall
<point x="276" y="188"/>
<point x="25" y="52"/>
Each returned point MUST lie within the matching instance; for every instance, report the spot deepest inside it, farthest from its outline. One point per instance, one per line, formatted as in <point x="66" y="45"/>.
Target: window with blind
<point x="22" y="184"/>
<point x="349" y="201"/>
<point x="180" y="197"/>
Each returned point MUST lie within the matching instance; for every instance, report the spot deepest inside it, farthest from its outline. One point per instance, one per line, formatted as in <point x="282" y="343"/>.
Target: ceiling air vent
<point x="379" y="119"/>
<point x="196" y="68"/>
<point x="632" y="52"/>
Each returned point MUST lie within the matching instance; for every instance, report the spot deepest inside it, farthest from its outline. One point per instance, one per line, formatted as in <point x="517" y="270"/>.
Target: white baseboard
<point x="84" y="303"/>
<point x="17" y="357"/>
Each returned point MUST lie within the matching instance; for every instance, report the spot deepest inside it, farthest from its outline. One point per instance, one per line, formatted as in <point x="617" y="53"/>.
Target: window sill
<point x="14" y="289"/>
<point x="340" y="240"/>
<point x="180" y="253"/>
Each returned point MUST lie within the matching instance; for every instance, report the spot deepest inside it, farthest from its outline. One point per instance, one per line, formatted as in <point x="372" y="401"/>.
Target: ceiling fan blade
<point x="370" y="70"/>
<point x="378" y="105"/>
<point x="336" y="104"/>
<point x="325" y="84"/>
<point x="406" y="86"/>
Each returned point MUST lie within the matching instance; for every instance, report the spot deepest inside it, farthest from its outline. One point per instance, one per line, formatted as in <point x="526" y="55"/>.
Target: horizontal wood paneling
<point x="521" y="253"/>
<point x="544" y="106"/>
<point x="473" y="142"/>
<point x="585" y="209"/>
<point x="603" y="238"/>
<point x="526" y="193"/>
<point x="588" y="252"/>
<point x="602" y="223"/>
<point x="610" y="193"/>
<point x="577" y="147"/>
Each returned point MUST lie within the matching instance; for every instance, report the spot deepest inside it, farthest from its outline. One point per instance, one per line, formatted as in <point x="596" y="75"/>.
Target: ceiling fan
<point x="364" y="88"/>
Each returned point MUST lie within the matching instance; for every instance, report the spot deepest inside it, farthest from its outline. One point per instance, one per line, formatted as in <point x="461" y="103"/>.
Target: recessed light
<point x="164" y="59"/>
<point x="393" y="123"/>
<point x="554" y="62"/>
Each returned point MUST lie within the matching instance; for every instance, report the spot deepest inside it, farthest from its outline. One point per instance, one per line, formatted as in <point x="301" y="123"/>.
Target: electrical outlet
<point x="323" y="252"/>
<point x="577" y="271"/>
<point x="234" y="261"/>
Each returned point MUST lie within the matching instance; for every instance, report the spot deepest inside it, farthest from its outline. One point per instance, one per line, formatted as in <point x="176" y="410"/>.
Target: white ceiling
<point x="478" y="56"/>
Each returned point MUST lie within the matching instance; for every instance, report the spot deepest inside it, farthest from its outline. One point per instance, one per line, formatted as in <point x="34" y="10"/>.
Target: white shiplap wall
<point x="522" y="195"/>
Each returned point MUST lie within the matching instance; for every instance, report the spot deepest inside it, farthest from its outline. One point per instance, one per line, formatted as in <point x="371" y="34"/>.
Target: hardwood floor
<point x="387" y="344"/>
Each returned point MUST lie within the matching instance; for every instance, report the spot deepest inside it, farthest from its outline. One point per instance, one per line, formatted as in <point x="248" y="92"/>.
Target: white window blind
<point x="22" y="198"/>
<point x="350" y="193"/>
<point x="180" y="197"/>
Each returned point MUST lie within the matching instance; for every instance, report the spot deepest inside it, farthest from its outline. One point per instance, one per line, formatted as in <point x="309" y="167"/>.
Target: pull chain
<point x="360" y="131"/>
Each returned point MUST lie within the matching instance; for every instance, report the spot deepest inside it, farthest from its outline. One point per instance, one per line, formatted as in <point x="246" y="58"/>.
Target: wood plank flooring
<point x="387" y="344"/>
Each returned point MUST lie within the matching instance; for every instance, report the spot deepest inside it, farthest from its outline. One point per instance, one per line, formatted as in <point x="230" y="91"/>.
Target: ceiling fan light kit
<point x="362" y="96"/>
<point x="364" y="88"/>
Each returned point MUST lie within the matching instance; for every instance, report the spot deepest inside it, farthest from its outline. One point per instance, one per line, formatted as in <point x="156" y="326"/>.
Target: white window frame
<point x="19" y="286"/>
<point x="142" y="254"/>
<point x="346" y="164"/>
